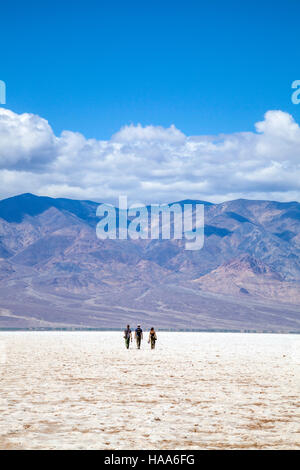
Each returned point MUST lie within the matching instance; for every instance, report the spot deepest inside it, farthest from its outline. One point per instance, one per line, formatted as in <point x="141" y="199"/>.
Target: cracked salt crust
<point x="84" y="390"/>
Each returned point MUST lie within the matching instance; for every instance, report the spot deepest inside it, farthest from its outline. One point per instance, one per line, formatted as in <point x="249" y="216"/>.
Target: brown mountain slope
<point x="54" y="270"/>
<point x="248" y="276"/>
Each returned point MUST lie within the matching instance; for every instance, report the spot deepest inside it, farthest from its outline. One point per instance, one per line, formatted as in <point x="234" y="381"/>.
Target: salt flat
<point x="66" y="390"/>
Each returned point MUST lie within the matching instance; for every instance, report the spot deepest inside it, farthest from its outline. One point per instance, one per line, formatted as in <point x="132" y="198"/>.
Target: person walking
<point x="127" y="336"/>
<point x="138" y="336"/>
<point x="152" y="338"/>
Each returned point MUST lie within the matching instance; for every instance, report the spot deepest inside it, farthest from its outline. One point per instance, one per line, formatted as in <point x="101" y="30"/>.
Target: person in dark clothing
<point x="127" y="336"/>
<point x="138" y="336"/>
<point x="152" y="338"/>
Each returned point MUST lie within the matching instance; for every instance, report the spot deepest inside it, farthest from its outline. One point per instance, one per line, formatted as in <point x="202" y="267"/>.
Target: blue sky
<point x="207" y="67"/>
<point x="159" y="101"/>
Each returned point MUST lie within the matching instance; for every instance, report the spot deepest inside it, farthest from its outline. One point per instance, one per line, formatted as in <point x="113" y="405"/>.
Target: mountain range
<point x="55" y="272"/>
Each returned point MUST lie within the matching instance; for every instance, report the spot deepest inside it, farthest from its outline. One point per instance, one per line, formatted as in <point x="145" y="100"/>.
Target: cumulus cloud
<point x="26" y="140"/>
<point x="137" y="134"/>
<point x="151" y="163"/>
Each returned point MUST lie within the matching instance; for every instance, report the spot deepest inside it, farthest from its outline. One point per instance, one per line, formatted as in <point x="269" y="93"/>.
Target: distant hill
<point x="55" y="272"/>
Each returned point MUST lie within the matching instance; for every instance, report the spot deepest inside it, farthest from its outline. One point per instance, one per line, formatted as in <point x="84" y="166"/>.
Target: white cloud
<point x="152" y="163"/>
<point x="26" y="140"/>
<point x="137" y="134"/>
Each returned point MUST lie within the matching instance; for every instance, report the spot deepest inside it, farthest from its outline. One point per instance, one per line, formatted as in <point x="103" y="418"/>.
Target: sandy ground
<point x="196" y="390"/>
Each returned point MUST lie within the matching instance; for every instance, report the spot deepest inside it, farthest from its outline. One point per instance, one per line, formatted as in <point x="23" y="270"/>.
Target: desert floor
<point x="84" y="390"/>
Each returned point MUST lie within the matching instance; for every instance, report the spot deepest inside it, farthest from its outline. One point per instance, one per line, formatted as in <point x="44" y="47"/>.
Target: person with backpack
<point x="152" y="338"/>
<point x="127" y="336"/>
<point x="138" y="336"/>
